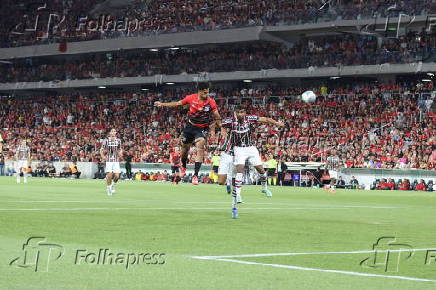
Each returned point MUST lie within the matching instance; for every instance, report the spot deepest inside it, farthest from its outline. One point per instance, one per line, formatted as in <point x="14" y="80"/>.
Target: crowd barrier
<point x="363" y="175"/>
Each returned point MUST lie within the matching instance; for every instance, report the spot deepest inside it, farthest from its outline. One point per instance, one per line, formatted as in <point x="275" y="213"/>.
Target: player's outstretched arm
<point x="168" y="105"/>
<point x="103" y="157"/>
<point x="216" y="123"/>
<point x="216" y="115"/>
<point x="270" y="122"/>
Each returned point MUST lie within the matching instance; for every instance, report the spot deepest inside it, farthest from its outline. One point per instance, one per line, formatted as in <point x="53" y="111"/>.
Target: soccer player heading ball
<point x="241" y="131"/>
<point x="202" y="116"/>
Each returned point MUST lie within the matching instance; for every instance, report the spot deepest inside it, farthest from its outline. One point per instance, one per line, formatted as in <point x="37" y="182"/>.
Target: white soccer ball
<point x="308" y="97"/>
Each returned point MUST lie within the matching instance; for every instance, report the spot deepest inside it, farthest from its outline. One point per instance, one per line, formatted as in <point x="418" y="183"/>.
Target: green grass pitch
<point x="203" y="247"/>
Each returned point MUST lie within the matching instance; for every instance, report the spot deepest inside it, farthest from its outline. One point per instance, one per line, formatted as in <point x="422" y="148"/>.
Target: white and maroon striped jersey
<point x="241" y="132"/>
<point x="333" y="162"/>
<point x="112" y="147"/>
<point x="23" y="152"/>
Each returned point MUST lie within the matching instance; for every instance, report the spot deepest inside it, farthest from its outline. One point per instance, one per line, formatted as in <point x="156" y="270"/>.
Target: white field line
<point x="183" y="208"/>
<point x="194" y="202"/>
<point x="228" y="258"/>
<point x="326" y="270"/>
<point x="307" y="253"/>
<point x="80" y="201"/>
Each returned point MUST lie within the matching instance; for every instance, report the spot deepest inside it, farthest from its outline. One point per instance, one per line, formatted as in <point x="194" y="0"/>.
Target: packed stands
<point x="374" y="126"/>
<point x="317" y="52"/>
<point x="180" y="16"/>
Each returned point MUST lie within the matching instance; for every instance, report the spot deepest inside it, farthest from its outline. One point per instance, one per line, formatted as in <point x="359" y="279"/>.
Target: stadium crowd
<point x="181" y="16"/>
<point x="317" y="52"/>
<point x="374" y="126"/>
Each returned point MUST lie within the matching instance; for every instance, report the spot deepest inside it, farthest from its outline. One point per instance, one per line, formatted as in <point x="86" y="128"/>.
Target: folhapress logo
<point x="388" y="254"/>
<point x="108" y="257"/>
<point x="38" y="254"/>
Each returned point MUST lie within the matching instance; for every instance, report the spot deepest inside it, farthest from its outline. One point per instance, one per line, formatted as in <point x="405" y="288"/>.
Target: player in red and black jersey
<point x="203" y="115"/>
<point x="175" y="165"/>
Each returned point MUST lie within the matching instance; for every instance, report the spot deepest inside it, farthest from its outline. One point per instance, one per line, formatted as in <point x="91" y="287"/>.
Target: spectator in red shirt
<point x="383" y="185"/>
<point x="405" y="185"/>
<point x="421" y="186"/>
<point x="390" y="184"/>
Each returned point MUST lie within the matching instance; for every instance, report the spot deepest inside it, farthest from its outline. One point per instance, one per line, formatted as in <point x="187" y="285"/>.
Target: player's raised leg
<point x="263" y="179"/>
<point x="237" y="189"/>
<point x="199" y="146"/>
<point x="115" y="175"/>
<point x="184" y="157"/>
<point x="109" y="183"/>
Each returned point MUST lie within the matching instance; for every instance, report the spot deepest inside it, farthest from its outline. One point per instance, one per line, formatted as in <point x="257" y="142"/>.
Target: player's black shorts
<point x="175" y="169"/>
<point x="191" y="133"/>
<point x="271" y="172"/>
<point x="215" y="169"/>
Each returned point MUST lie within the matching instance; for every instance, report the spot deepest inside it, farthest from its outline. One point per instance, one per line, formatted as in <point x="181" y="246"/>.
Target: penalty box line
<point x="231" y="259"/>
<point x="307" y="253"/>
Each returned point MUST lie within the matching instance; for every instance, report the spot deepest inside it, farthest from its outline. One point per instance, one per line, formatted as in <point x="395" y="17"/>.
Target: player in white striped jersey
<point x="241" y="130"/>
<point x="1" y="143"/>
<point x="333" y="165"/>
<point x="111" y="151"/>
<point x="226" y="168"/>
<point x="22" y="158"/>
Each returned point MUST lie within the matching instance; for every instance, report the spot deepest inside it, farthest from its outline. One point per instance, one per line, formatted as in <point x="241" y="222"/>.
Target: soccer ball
<point x="308" y="97"/>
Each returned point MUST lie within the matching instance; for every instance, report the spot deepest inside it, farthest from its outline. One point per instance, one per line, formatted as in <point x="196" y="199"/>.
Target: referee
<point x="271" y="165"/>
<point x="216" y="158"/>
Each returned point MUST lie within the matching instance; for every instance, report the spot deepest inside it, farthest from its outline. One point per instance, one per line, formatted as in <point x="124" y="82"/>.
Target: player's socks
<point x="238" y="183"/>
<point x="234" y="203"/>
<point x="25" y="178"/>
<point x="229" y="184"/>
<point x="238" y="198"/>
<point x="265" y="189"/>
<point x="109" y="190"/>
<point x="197" y="168"/>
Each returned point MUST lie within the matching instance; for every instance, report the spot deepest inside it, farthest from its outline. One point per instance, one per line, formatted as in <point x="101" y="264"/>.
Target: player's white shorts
<point x="113" y="167"/>
<point x="333" y="174"/>
<point x="20" y="164"/>
<point x="226" y="164"/>
<point x="247" y="153"/>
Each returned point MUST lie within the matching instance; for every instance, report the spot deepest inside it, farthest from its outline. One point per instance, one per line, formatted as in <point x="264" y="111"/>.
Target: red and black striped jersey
<point x="175" y="158"/>
<point x="200" y="112"/>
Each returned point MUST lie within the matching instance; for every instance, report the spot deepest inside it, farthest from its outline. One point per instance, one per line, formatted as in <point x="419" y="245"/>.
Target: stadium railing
<point x="365" y="176"/>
